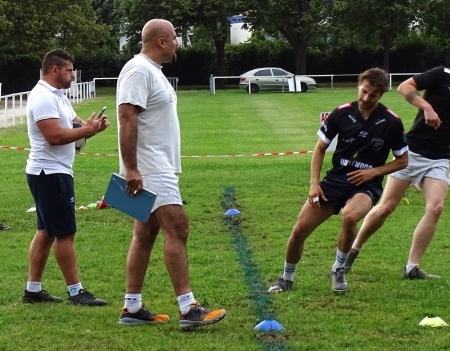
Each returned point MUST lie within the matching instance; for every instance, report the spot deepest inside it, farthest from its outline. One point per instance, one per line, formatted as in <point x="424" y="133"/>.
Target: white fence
<point x="212" y="79"/>
<point x="13" y="106"/>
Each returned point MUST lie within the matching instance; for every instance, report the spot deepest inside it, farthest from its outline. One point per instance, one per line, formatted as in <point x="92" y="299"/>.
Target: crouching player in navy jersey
<point x="367" y="131"/>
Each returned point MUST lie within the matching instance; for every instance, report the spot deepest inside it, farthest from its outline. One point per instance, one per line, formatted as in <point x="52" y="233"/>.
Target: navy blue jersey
<point x="424" y="139"/>
<point x="362" y="144"/>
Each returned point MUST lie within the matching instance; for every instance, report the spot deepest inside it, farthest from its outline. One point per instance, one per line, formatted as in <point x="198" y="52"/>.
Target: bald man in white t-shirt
<point x="149" y="153"/>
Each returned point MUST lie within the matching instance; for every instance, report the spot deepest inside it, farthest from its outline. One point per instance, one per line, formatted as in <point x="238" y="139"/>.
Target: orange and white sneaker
<point x="198" y="316"/>
<point x="143" y="316"/>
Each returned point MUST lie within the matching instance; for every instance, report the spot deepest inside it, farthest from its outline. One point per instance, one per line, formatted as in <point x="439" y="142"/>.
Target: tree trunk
<point x="300" y="59"/>
<point x="220" y="61"/>
<point x="387" y="43"/>
<point x="299" y="43"/>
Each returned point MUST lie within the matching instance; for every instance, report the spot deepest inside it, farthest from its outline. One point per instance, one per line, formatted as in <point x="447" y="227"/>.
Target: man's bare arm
<point x="128" y="120"/>
<point x="408" y="89"/>
<point x="411" y="96"/>
<point x="128" y="135"/>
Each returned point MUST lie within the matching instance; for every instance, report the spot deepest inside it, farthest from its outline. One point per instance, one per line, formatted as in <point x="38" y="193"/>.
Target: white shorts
<point x="420" y="167"/>
<point x="165" y="185"/>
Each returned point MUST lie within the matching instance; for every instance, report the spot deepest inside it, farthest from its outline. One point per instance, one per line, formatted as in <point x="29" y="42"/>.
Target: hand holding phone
<point x="101" y="112"/>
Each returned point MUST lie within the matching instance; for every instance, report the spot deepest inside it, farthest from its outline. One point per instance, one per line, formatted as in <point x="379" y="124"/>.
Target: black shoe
<point x="417" y="273"/>
<point x="41" y="296"/>
<point x="350" y="260"/>
<point x="281" y="285"/>
<point x="84" y="297"/>
<point x="143" y="316"/>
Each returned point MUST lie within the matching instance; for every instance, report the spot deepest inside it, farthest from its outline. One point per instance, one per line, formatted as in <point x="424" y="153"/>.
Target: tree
<point x="5" y="24"/>
<point x="295" y="20"/>
<point x="25" y="30"/>
<point x="36" y="26"/>
<point x="432" y="23"/>
<point x="373" y="23"/>
<point x="78" y="31"/>
<point x="211" y="15"/>
<point x="138" y="12"/>
<point x="109" y="12"/>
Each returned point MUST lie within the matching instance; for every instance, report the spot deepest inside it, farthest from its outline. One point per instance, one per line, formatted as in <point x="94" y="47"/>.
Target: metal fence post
<point x="212" y="88"/>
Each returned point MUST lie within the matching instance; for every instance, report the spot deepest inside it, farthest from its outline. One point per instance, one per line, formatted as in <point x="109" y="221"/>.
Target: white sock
<point x="133" y="302"/>
<point x="341" y="258"/>
<point x="74" y="289"/>
<point x="410" y="266"/>
<point x="34" y="286"/>
<point x="184" y="301"/>
<point x="356" y="248"/>
<point x="289" y="270"/>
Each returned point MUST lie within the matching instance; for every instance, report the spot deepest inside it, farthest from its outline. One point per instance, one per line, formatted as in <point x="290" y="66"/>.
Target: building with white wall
<point x="237" y="33"/>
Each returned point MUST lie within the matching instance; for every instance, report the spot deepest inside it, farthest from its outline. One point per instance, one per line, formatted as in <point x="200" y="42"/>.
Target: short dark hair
<point x="55" y="58"/>
<point x="376" y="77"/>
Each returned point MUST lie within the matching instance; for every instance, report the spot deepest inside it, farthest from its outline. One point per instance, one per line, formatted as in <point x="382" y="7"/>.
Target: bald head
<point x="159" y="41"/>
<point x="155" y="29"/>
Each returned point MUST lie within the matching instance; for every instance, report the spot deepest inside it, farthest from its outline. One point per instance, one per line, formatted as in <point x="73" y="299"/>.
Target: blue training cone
<point x="232" y="212"/>
<point x="269" y="324"/>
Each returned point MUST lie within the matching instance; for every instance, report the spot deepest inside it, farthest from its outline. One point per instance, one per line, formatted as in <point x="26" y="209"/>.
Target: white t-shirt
<point x="45" y="102"/>
<point x="142" y="83"/>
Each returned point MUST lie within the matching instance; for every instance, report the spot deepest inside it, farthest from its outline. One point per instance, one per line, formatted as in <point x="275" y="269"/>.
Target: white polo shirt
<point x="46" y="102"/>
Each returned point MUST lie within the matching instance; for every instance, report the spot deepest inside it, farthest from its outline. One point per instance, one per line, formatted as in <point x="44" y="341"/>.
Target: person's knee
<point x="435" y="208"/>
<point x="183" y="231"/>
<point x="179" y="230"/>
<point x="64" y="239"/>
<point x="300" y="232"/>
<point x="384" y="210"/>
<point x="349" y="220"/>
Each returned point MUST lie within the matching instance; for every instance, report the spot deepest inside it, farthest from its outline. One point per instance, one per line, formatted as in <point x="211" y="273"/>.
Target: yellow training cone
<point x="433" y="322"/>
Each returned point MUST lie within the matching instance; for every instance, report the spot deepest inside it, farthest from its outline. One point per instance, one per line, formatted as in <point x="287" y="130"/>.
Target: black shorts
<point x="55" y="202"/>
<point x="338" y="194"/>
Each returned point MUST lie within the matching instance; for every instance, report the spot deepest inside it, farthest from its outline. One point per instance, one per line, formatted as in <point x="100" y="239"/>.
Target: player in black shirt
<point x="428" y="141"/>
<point x="367" y="131"/>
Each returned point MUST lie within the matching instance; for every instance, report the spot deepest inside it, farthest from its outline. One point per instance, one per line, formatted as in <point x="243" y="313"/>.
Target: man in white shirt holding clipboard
<point x="149" y="153"/>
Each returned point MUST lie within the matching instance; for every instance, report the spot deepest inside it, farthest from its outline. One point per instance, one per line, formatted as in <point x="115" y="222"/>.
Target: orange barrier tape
<point x="287" y="153"/>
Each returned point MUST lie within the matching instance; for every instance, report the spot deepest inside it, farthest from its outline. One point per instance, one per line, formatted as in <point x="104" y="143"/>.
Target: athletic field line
<point x="258" y="289"/>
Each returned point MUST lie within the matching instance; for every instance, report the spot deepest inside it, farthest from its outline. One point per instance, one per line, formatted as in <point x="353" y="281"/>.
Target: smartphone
<point x="101" y="112"/>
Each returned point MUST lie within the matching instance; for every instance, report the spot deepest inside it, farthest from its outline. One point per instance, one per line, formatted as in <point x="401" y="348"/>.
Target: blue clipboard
<point x="138" y="206"/>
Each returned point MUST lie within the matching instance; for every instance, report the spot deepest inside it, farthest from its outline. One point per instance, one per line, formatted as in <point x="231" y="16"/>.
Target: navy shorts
<point x="338" y="194"/>
<point x="55" y="202"/>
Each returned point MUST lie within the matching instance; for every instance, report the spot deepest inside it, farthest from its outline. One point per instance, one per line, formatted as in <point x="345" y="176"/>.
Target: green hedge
<point x="194" y="66"/>
<point x="19" y="73"/>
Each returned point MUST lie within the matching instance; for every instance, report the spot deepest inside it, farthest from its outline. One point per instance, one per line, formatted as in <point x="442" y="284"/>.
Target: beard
<point x="63" y="83"/>
<point x="366" y="105"/>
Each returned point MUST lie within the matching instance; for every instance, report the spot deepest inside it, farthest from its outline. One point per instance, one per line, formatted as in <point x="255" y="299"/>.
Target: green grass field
<point x="232" y="262"/>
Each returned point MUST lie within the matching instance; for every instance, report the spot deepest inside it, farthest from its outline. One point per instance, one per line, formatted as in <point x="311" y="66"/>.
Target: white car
<point x="273" y="78"/>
